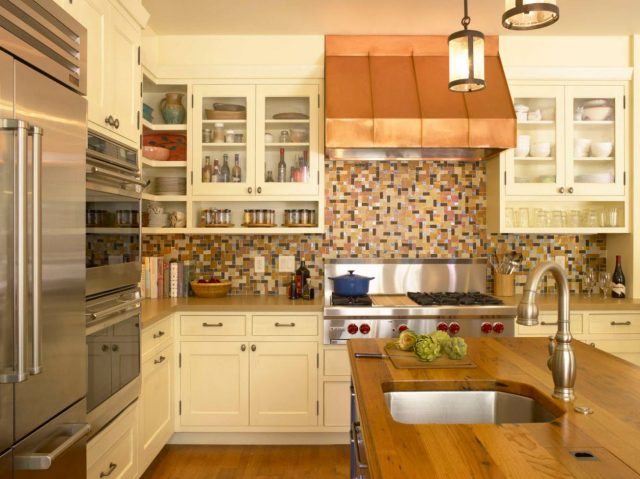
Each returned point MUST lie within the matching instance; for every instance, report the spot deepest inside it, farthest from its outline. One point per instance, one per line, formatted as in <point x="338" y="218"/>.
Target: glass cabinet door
<point x="536" y="165"/>
<point x="595" y="148"/>
<point x="223" y="140"/>
<point x="287" y="146"/>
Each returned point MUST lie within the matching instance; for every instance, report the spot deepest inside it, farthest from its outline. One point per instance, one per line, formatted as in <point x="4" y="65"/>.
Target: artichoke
<point x="456" y="348"/>
<point x="427" y="349"/>
<point x="442" y="337"/>
<point x="407" y="340"/>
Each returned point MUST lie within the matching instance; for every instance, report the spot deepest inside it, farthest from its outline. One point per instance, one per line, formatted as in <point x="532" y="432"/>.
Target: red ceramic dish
<point x="176" y="144"/>
<point x="157" y="153"/>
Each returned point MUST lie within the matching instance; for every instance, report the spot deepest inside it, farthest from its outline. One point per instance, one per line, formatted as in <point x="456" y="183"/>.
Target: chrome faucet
<point x="562" y="361"/>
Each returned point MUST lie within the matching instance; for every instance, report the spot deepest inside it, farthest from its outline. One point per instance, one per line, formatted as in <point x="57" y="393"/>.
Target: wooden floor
<point x="255" y="462"/>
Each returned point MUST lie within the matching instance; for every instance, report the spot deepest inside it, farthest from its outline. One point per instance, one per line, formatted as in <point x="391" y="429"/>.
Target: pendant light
<point x="466" y="58"/>
<point x="529" y="14"/>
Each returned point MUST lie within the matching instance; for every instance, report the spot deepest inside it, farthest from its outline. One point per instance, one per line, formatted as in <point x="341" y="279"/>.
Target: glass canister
<point x="254" y="217"/>
<point x="206" y="135"/>
<point x="265" y="215"/>
<point x="300" y="216"/>
<point x="259" y="217"/>
<point x="272" y="217"/>
<point x="218" y="133"/>
<point x="294" y="217"/>
<point x="284" y="136"/>
<point x="287" y="217"/>
<point x="246" y="217"/>
<point x="226" y="217"/>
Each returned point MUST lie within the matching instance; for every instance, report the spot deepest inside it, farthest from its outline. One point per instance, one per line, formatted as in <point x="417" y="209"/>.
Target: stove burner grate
<point x="454" y="299"/>
<point x="338" y="300"/>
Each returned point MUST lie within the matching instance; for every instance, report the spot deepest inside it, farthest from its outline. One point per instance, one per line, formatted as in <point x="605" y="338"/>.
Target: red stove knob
<point x="352" y="328"/>
<point x="365" y="328"/>
<point x="442" y="327"/>
<point x="402" y="327"/>
<point x="454" y="328"/>
<point x="486" y="328"/>
<point x="498" y="328"/>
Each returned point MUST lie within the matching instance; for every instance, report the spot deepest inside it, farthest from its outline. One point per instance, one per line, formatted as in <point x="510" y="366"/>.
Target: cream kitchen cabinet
<point x="156" y="404"/>
<point x="272" y="122"/>
<point x="243" y="370"/>
<point x="336" y="387"/>
<point x="114" y="72"/>
<point x="568" y="172"/>
<point x="113" y="452"/>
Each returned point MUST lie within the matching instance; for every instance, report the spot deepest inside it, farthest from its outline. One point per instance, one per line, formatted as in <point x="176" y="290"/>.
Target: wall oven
<point x="114" y="192"/>
<point x="113" y="343"/>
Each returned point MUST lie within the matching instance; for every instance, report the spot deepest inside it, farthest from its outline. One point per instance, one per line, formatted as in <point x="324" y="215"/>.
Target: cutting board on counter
<point x="409" y="360"/>
<point x="390" y="300"/>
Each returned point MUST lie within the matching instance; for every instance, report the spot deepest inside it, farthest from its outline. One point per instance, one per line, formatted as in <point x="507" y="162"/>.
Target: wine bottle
<point x="618" y="288"/>
<point x="215" y="172"/>
<point x="282" y="168"/>
<point x="225" y="173"/>
<point x="206" y="170"/>
<point x="236" y="172"/>
<point x="302" y="277"/>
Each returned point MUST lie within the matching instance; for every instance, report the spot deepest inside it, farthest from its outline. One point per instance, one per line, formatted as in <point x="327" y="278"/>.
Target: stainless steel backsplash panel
<point x="403" y="275"/>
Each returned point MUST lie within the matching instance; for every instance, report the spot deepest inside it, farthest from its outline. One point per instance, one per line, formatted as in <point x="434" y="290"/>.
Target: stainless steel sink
<point x="464" y="407"/>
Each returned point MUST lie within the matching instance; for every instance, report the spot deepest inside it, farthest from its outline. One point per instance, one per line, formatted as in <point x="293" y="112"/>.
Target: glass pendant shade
<point x="466" y="61"/>
<point x="529" y="14"/>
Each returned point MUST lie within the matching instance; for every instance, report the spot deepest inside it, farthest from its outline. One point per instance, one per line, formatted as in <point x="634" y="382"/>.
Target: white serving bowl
<point x="541" y="150"/>
<point x="597" y="113"/>
<point x="601" y="149"/>
<point x="522" y="151"/>
<point x="520" y="107"/>
<point x="581" y="147"/>
<point x="523" y="140"/>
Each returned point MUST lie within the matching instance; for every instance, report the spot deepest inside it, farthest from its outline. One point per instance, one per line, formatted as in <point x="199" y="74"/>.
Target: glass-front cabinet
<point x="256" y="140"/>
<point x="595" y="140"/>
<point x="223" y="140"/>
<point x="570" y="141"/>
<point x="287" y="155"/>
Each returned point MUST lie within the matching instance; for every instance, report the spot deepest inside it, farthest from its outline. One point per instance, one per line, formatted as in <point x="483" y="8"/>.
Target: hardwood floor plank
<point x="250" y="462"/>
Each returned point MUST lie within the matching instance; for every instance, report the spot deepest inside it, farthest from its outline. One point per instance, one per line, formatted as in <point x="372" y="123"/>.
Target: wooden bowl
<point x="211" y="290"/>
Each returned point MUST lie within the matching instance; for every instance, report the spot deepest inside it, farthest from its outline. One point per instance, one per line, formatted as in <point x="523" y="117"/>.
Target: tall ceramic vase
<point x="171" y="108"/>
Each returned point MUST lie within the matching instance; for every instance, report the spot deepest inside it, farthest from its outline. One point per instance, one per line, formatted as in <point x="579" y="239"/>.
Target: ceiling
<point x="431" y="17"/>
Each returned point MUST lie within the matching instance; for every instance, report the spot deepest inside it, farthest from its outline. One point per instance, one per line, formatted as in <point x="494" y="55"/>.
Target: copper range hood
<point x="387" y="97"/>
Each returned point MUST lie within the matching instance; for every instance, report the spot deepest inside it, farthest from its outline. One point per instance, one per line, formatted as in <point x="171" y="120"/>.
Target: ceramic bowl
<point x="581" y="147"/>
<point x="156" y="153"/>
<point x="601" y="149"/>
<point x="522" y="151"/>
<point x="211" y="290"/>
<point x="521" y="115"/>
<point x="298" y="135"/>
<point x="597" y="113"/>
<point x="519" y="107"/>
<point x="541" y="150"/>
<point x="523" y="140"/>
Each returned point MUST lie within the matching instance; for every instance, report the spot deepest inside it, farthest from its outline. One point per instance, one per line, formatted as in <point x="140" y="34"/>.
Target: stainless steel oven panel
<point x="106" y="150"/>
<point x="112" y="276"/>
<point x="401" y="276"/>
<point x="106" y="412"/>
<point x="57" y="449"/>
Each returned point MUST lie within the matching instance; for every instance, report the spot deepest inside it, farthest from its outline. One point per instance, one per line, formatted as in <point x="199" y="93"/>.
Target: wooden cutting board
<point x="409" y="360"/>
<point x="390" y="300"/>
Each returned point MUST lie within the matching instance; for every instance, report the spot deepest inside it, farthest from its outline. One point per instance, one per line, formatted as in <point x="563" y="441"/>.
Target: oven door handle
<point x="356" y="445"/>
<point x="95" y="326"/>
<point x="124" y="306"/>
<point x="96" y="170"/>
<point x="112" y="160"/>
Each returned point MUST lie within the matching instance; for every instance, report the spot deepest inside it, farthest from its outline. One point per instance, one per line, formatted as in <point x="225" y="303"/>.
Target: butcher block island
<point x="564" y="444"/>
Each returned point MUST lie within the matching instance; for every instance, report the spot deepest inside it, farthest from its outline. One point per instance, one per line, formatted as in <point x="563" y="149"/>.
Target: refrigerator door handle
<point x="18" y="372"/>
<point x="44" y="460"/>
<point x="36" y="258"/>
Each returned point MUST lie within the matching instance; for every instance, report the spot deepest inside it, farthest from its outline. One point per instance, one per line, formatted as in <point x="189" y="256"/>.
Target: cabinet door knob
<point x="105" y="348"/>
<point x="109" y="120"/>
<point x="253" y="347"/>
<point x="243" y="347"/>
<point x="259" y="189"/>
<point x="570" y="190"/>
<point x="592" y="344"/>
<point x="116" y="123"/>
<point x="561" y="190"/>
<point x="115" y="348"/>
<point x="250" y="190"/>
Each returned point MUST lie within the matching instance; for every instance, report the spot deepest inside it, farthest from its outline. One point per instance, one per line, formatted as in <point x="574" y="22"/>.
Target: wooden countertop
<point x="608" y="385"/>
<point x="578" y="302"/>
<point x="155" y="309"/>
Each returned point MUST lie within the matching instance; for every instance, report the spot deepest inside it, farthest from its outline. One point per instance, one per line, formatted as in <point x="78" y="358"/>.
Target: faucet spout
<point x="561" y="361"/>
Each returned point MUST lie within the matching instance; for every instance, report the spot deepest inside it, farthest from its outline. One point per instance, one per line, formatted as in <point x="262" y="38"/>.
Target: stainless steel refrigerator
<point x="43" y="136"/>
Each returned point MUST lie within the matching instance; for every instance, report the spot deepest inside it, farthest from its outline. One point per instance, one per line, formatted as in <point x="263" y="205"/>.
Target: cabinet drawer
<point x="216" y="325"/>
<point x="281" y="325"/>
<point x="113" y="452"/>
<point x="157" y="335"/>
<point x="612" y="323"/>
<point x="336" y="362"/>
<point x="550" y="325"/>
<point x="337" y="403"/>
<point x="628" y="349"/>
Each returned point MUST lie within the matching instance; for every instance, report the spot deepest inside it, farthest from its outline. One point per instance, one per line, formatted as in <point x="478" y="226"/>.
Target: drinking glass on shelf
<point x="508" y="217"/>
<point x="542" y="218"/>
<point x="612" y="216"/>
<point x="573" y="218"/>
<point x="605" y="282"/>
<point x="591" y="218"/>
<point x="588" y="282"/>
<point x="556" y="219"/>
<point x="523" y="217"/>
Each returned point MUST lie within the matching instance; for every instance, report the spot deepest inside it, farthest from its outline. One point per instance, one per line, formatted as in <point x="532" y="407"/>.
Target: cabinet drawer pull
<point x="159" y="360"/>
<point x="112" y="467"/>
<point x="592" y="345"/>
<point x="285" y="325"/>
<point x="243" y="348"/>
<point x="544" y="323"/>
<point x="626" y="323"/>
<point x="212" y="325"/>
<point x="159" y="334"/>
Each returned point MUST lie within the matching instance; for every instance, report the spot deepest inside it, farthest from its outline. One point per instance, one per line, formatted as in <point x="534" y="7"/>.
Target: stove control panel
<point x="338" y="331"/>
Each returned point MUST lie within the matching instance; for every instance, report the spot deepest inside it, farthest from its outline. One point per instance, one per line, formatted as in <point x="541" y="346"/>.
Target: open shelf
<point x="280" y="122"/>
<point x="234" y="122"/>
<point x="163" y="164"/>
<point x="222" y="145"/>
<point x="285" y="145"/>
<point x="149" y="127"/>
<point x="163" y="198"/>
<point x="592" y="123"/>
<point x="595" y="158"/>
<point x="112" y="230"/>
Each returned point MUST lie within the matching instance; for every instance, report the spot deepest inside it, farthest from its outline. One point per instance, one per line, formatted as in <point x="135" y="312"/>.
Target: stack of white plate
<point x="171" y="185"/>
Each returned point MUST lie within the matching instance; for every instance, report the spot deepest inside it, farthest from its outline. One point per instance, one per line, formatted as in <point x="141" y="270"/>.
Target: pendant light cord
<point x="466" y="20"/>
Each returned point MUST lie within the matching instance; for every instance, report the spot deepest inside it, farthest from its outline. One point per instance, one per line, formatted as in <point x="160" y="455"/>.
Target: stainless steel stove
<point x="423" y="295"/>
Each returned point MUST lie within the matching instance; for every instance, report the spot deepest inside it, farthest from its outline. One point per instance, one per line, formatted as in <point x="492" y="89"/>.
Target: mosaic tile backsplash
<point x="389" y="209"/>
